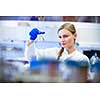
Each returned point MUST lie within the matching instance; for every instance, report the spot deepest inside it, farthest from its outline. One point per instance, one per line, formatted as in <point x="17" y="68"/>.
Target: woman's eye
<point x="60" y="37"/>
<point x="64" y="36"/>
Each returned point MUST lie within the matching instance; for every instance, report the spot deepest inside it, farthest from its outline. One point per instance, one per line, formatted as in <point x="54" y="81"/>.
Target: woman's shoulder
<point x="81" y="56"/>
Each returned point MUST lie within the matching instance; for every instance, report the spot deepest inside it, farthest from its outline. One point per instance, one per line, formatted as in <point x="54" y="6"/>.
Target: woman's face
<point x="66" y="38"/>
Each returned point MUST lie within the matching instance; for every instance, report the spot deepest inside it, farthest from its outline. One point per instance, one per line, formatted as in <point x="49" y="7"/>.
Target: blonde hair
<point x="70" y="27"/>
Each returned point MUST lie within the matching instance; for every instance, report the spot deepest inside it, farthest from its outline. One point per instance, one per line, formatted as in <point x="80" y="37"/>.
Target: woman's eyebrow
<point x="65" y="35"/>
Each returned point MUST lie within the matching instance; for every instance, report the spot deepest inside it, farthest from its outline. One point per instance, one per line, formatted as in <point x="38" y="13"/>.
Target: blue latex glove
<point x="34" y="32"/>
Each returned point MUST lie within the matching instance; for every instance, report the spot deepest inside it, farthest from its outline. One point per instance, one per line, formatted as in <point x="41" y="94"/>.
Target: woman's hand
<point x="34" y="32"/>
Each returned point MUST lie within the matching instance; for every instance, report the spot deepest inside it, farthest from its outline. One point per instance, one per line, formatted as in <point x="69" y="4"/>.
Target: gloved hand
<point x="34" y="32"/>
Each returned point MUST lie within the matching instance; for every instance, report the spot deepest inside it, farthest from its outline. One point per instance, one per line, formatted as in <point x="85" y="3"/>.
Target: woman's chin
<point x="64" y="46"/>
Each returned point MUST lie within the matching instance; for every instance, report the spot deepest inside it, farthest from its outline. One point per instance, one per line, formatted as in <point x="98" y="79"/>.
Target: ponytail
<point x="60" y="53"/>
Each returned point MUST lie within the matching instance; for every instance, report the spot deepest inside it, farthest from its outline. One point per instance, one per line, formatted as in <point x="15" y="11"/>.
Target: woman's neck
<point x="71" y="50"/>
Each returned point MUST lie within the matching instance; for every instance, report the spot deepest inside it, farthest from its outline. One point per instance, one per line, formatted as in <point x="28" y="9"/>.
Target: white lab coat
<point x="32" y="51"/>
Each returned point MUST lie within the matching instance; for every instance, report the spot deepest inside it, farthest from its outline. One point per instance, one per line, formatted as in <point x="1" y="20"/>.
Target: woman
<point x="67" y="37"/>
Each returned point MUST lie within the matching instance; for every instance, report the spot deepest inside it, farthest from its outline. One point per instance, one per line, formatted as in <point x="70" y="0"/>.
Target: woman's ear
<point x="75" y="36"/>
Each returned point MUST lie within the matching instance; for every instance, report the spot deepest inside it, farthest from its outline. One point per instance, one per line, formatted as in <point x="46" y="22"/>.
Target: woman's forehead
<point x="64" y="32"/>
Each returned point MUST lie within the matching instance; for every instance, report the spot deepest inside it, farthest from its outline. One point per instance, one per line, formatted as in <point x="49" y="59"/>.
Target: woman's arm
<point x="29" y="49"/>
<point x="30" y="42"/>
<point x="32" y="51"/>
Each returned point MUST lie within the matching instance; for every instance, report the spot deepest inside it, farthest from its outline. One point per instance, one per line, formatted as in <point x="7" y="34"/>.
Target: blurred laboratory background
<point x="14" y="33"/>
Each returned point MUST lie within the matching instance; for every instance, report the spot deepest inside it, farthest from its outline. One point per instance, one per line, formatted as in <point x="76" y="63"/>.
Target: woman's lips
<point x="63" y="43"/>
